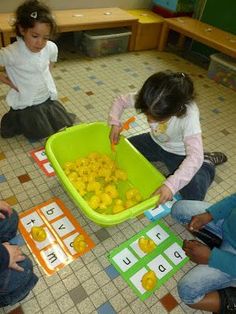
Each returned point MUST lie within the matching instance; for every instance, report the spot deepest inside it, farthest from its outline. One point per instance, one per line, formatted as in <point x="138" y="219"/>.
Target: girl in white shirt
<point x="34" y="109"/>
<point x="167" y="100"/>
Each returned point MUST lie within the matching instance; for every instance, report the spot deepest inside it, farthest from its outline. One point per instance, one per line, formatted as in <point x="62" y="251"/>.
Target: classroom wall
<point x="10" y="6"/>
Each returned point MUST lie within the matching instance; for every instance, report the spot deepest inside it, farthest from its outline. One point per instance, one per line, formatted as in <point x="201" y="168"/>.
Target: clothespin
<point x="125" y="126"/>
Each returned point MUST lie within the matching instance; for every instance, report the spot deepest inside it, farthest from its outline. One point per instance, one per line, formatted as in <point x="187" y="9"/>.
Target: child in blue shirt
<point x="209" y="285"/>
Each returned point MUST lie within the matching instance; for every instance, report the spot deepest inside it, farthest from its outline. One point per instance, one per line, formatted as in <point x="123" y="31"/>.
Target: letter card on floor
<point x="39" y="155"/>
<point x="53" y="242"/>
<point x="161" y="210"/>
<point x="164" y="260"/>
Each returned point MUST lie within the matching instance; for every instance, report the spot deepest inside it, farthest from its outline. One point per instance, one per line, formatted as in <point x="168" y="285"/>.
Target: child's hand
<point x="5" y="80"/>
<point x="15" y="256"/>
<point x="165" y="194"/>
<point x="198" y="221"/>
<point x="114" y="134"/>
<point x="197" y="252"/>
<point x="5" y="208"/>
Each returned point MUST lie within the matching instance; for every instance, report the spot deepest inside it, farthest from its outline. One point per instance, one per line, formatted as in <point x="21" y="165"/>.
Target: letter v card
<point x="53" y="235"/>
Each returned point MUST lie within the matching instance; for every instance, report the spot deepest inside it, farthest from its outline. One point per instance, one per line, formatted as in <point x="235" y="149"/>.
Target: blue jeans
<point x="201" y="279"/>
<point x="14" y="285"/>
<point x="196" y="189"/>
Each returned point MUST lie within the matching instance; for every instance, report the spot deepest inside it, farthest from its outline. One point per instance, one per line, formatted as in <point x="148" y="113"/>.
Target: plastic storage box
<point x="79" y="141"/>
<point x="101" y="42"/>
<point x="222" y="69"/>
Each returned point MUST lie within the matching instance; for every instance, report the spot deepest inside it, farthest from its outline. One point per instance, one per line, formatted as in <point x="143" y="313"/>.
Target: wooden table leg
<point x="181" y="41"/>
<point x="132" y="39"/>
<point x="163" y="37"/>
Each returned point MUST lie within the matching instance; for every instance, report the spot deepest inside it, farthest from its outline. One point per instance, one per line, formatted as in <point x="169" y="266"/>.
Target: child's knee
<point x="27" y="278"/>
<point x="9" y="226"/>
<point x="187" y="293"/>
<point x="177" y="211"/>
<point x="27" y="264"/>
<point x="14" y="219"/>
<point x="13" y="224"/>
<point x="174" y="211"/>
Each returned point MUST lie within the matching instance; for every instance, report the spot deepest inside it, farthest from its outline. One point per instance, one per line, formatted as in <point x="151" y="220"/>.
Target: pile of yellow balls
<point x="97" y="178"/>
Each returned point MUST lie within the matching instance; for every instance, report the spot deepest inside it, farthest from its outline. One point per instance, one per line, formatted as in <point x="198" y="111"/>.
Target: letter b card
<point x="165" y="260"/>
<point x="60" y="229"/>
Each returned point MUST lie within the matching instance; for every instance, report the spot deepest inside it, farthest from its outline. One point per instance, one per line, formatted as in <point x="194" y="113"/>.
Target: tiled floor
<point x="87" y="86"/>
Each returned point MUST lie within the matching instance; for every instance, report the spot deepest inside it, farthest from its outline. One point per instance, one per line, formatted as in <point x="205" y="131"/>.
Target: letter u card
<point x="149" y="259"/>
<point x="53" y="235"/>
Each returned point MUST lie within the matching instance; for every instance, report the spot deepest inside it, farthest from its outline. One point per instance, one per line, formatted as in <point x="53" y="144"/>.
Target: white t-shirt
<point x="42" y="93"/>
<point x="177" y="129"/>
<point x="172" y="139"/>
<point x="181" y="136"/>
<point x="29" y="72"/>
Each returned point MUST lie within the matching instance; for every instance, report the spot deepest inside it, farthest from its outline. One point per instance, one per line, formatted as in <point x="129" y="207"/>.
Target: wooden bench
<point x="78" y="20"/>
<point x="209" y="35"/>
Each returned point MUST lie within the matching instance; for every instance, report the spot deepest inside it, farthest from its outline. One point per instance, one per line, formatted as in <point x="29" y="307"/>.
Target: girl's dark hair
<point x="31" y="12"/>
<point x="165" y="94"/>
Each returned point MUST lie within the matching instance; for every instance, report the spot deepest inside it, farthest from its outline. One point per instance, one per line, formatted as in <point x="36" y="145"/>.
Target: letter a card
<point x="149" y="259"/>
<point x="53" y="235"/>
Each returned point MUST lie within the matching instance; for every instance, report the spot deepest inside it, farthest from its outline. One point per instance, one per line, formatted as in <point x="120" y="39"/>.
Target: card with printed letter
<point x="57" y="231"/>
<point x="135" y="261"/>
<point x="40" y="157"/>
<point x="161" y="210"/>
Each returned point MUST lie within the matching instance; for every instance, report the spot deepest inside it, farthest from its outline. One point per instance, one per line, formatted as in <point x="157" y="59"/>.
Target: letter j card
<point x="149" y="259"/>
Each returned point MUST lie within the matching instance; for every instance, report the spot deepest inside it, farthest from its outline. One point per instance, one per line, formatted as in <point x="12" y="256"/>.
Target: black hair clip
<point x="34" y="15"/>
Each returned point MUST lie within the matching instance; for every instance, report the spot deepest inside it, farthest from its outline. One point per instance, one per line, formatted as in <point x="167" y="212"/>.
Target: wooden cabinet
<point x="148" y="30"/>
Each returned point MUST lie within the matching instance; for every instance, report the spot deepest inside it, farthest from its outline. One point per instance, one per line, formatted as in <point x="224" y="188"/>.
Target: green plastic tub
<point x="79" y="141"/>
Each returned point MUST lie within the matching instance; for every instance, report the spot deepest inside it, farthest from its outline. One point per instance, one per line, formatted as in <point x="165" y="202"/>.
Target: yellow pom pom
<point x="73" y="176"/>
<point x="106" y="199"/>
<point x="121" y="175"/>
<point x="79" y="243"/>
<point x="94" y="202"/>
<point x="69" y="165"/>
<point x="111" y="190"/>
<point x="38" y="233"/>
<point x="146" y="245"/>
<point x="149" y="280"/>
<point x="118" y="208"/>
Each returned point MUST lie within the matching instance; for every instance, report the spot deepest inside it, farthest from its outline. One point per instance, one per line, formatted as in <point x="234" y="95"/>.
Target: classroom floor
<point x="86" y="87"/>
